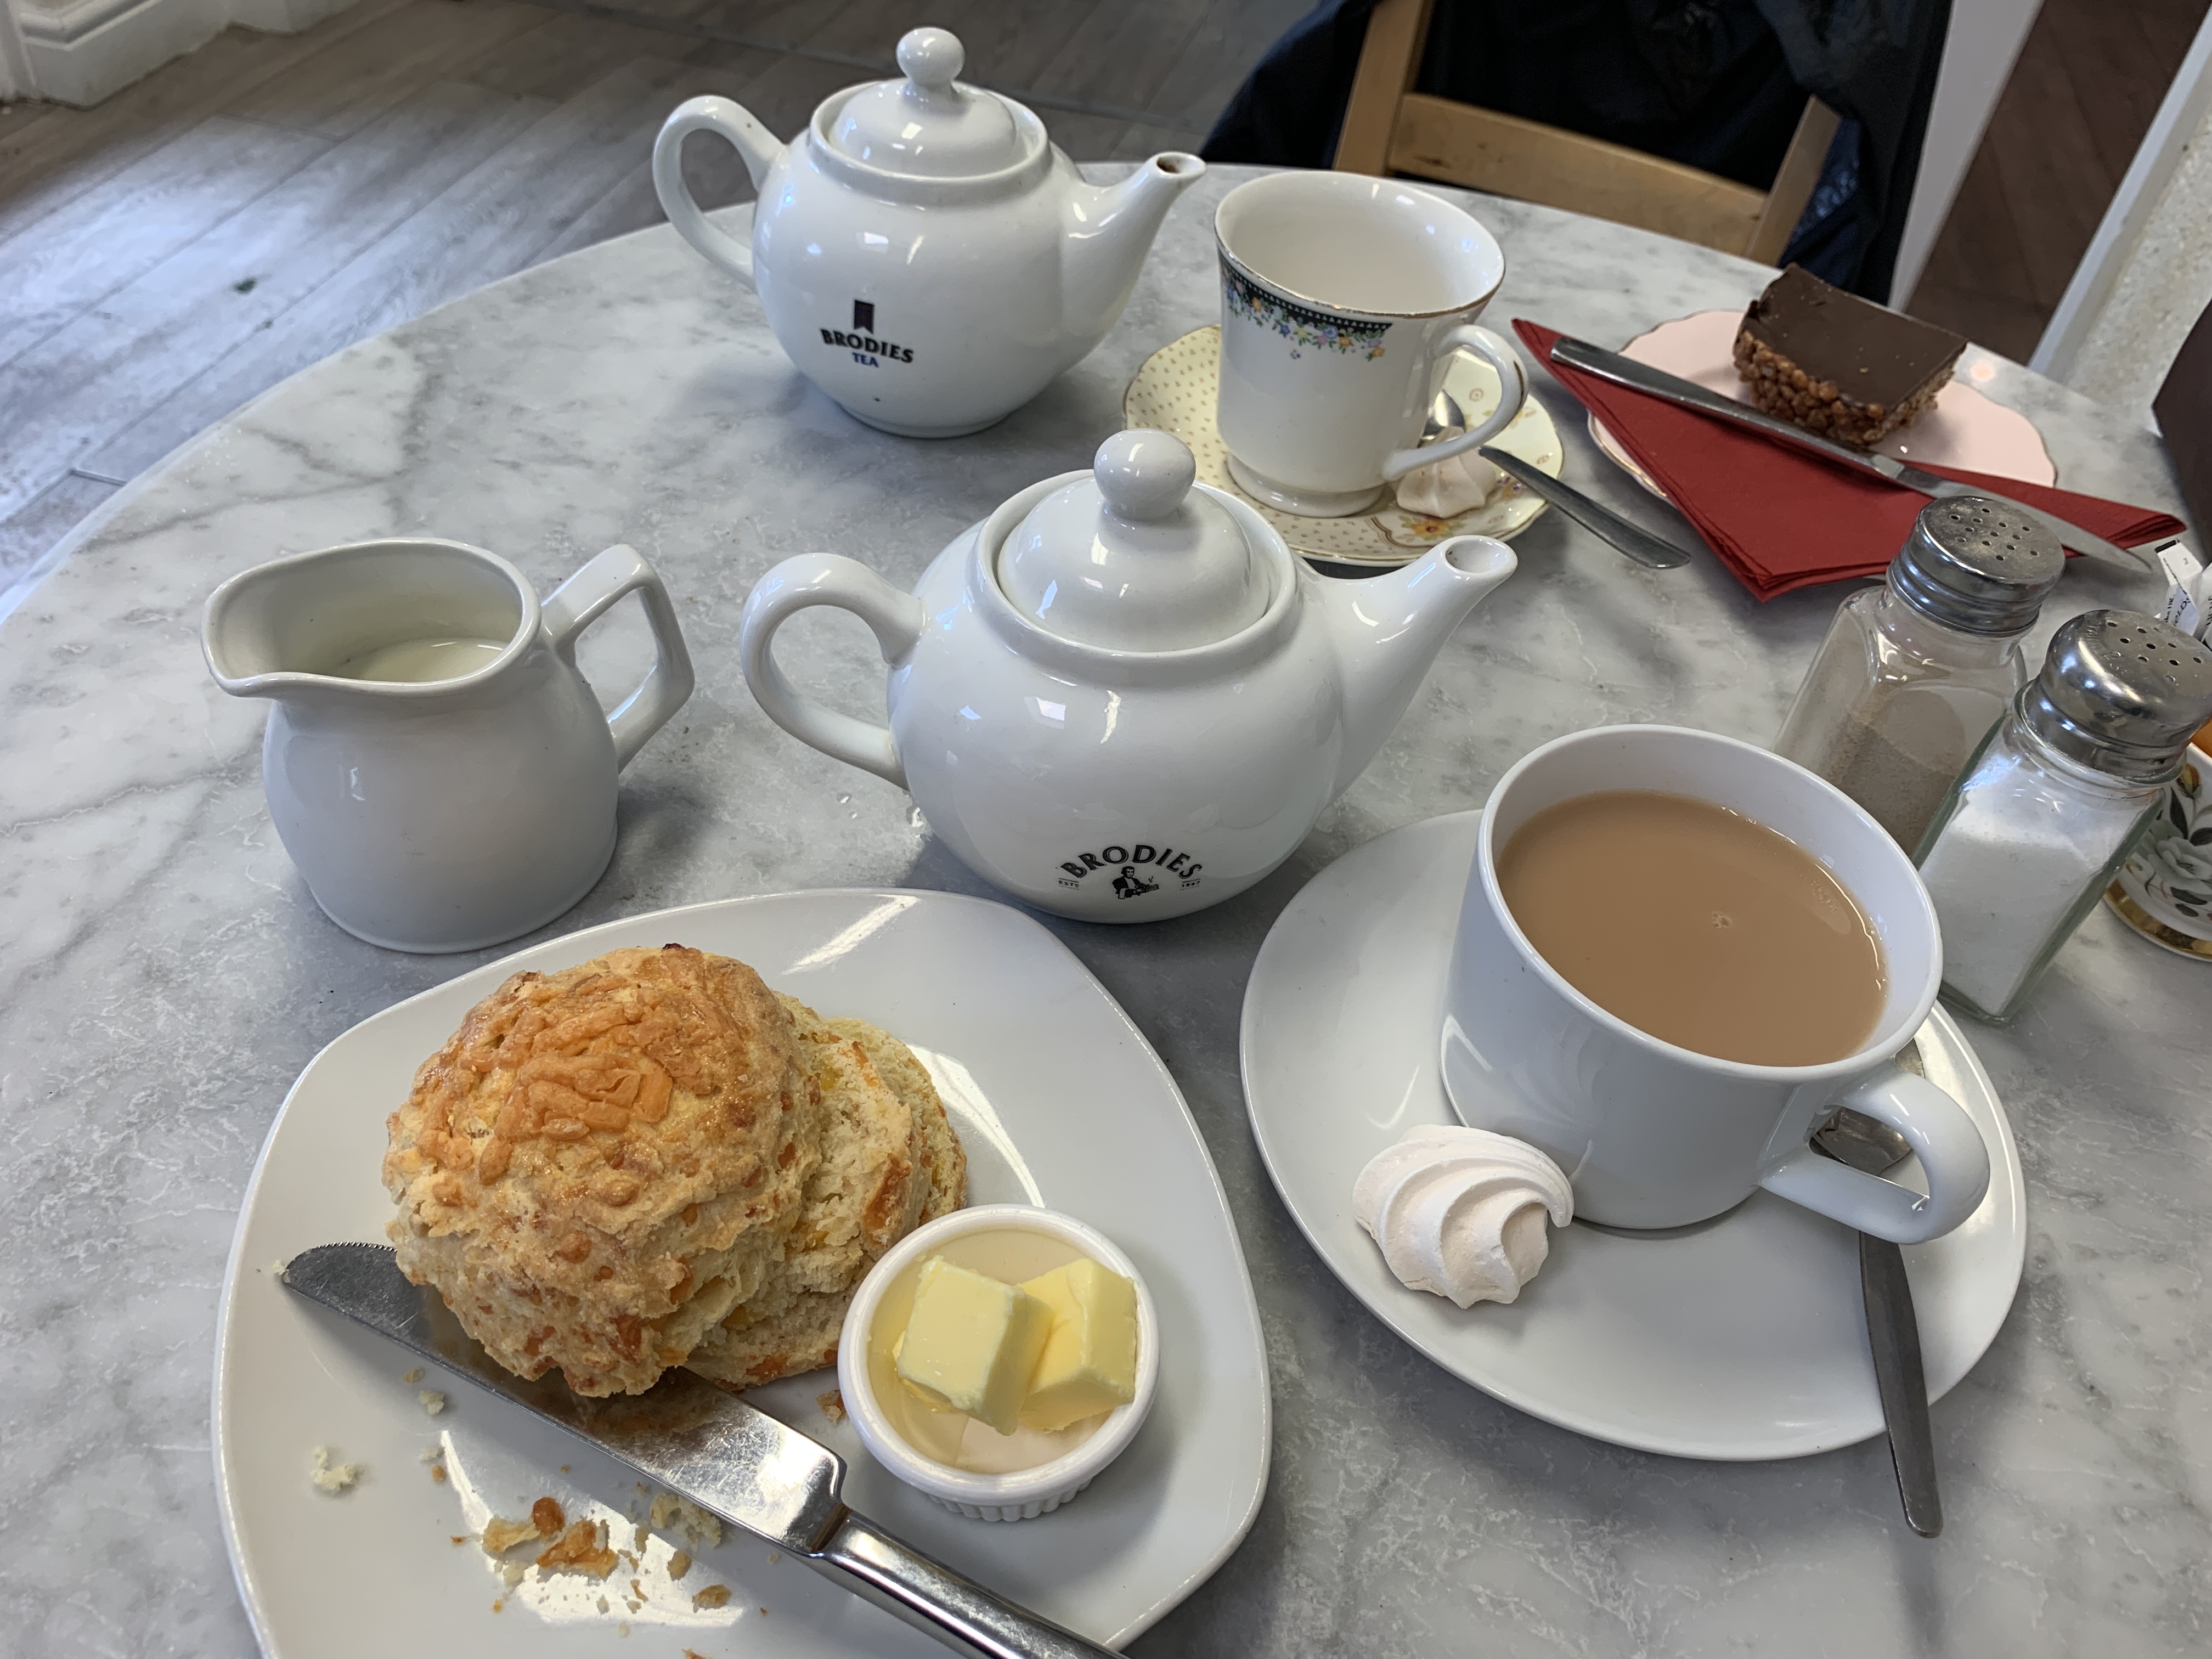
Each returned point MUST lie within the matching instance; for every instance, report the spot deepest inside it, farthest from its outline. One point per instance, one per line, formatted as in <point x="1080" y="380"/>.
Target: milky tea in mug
<point x="1678" y="954"/>
<point x="1697" y="925"/>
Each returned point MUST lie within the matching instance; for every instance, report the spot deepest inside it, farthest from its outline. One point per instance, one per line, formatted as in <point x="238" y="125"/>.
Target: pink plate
<point x="1964" y="429"/>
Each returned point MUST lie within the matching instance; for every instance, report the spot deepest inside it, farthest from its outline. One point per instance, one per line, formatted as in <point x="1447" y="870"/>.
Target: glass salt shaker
<point x="2029" y="837"/>
<point x="1914" y="673"/>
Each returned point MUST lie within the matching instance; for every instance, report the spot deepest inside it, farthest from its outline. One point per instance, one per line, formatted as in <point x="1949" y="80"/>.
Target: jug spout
<point x="1109" y="230"/>
<point x="1388" y="629"/>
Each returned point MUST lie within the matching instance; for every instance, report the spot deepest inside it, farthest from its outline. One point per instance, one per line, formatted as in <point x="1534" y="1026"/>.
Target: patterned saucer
<point x="1176" y="391"/>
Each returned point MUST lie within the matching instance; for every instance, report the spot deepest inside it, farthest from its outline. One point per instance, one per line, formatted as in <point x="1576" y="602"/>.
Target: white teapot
<point x="1121" y="697"/>
<point x="923" y="252"/>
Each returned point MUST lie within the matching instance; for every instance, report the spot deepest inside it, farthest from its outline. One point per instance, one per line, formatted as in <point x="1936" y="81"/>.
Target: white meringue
<point x="1461" y="1212"/>
<point x="1446" y="489"/>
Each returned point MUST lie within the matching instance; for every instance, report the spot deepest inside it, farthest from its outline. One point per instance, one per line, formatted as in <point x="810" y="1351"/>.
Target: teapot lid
<point x="1132" y="557"/>
<point x="928" y="125"/>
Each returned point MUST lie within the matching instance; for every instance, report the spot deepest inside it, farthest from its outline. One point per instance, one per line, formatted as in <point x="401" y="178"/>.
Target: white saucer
<point x="1743" y="1338"/>
<point x="1176" y="391"/>
<point x="1059" y="1101"/>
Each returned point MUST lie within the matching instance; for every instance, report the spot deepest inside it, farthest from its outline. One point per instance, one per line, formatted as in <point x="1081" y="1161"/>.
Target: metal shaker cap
<point x="2122" y="693"/>
<point x="1978" y="565"/>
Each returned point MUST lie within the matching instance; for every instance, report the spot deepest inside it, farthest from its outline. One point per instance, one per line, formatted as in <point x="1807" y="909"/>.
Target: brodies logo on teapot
<point x="1123" y="865"/>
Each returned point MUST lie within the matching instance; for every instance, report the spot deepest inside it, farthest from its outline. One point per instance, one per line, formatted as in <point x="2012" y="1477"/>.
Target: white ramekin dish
<point x="1023" y="1494"/>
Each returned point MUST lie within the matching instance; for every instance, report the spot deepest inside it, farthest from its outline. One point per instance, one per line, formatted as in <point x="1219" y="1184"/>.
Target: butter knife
<point x="725" y="1456"/>
<point x="1589" y="359"/>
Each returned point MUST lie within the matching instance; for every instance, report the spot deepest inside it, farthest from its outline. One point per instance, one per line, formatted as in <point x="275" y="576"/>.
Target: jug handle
<point x="754" y="144"/>
<point x="895" y="617"/>
<point x="583" y="599"/>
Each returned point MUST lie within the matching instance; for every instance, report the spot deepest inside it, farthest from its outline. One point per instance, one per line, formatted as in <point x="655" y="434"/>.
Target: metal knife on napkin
<point x="727" y="1456"/>
<point x="1589" y="359"/>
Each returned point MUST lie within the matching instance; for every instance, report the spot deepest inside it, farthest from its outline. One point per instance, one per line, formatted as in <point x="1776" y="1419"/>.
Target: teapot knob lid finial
<point x="1143" y="473"/>
<point x="930" y="57"/>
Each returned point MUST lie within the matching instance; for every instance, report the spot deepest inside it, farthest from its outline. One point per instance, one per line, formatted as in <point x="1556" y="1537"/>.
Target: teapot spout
<point x="1109" y="229"/>
<point x="1388" y="629"/>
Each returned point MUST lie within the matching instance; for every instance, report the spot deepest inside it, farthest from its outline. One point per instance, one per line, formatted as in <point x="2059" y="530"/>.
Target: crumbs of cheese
<point x="329" y="1477"/>
<point x="669" y="1510"/>
<point x="510" y="1574"/>
<point x="414" y="1376"/>
<point x="502" y="1535"/>
<point x="430" y="1400"/>
<point x="431" y="1454"/>
<point x="582" y="1548"/>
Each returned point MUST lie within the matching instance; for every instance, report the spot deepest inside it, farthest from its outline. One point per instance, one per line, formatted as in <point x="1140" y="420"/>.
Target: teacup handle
<point x="1952" y="1155"/>
<point x="1512" y="392"/>
<point x="753" y="141"/>
<point x="894" y="616"/>
<point x="583" y="599"/>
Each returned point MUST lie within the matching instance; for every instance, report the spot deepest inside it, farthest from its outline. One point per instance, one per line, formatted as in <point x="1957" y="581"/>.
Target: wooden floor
<point x="2089" y="79"/>
<point x="248" y="210"/>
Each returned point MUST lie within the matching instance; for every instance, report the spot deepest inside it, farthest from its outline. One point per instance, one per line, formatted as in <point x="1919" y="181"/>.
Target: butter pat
<point x="1089" y="1364"/>
<point x="971" y="1343"/>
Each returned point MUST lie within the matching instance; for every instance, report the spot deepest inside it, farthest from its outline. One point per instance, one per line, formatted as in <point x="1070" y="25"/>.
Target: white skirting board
<point x="78" y="51"/>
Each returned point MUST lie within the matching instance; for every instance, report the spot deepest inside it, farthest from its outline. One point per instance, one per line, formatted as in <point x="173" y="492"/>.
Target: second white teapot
<point x="923" y="252"/>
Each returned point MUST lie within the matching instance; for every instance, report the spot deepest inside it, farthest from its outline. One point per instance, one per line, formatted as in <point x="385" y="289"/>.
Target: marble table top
<point x="164" y="975"/>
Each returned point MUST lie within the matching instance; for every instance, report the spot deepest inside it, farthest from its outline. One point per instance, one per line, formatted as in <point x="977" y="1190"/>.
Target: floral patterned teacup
<point x="1343" y="298"/>
<point x="2164" y="890"/>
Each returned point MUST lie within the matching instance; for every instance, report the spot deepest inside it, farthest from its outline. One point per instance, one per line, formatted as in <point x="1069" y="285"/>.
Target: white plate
<point x="1742" y="1338"/>
<point x="1177" y="386"/>
<point x="1966" y="428"/>
<point x="1058" y="1099"/>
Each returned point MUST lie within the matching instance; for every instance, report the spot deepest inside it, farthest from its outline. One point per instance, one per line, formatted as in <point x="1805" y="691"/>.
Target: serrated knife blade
<point x="730" y="1458"/>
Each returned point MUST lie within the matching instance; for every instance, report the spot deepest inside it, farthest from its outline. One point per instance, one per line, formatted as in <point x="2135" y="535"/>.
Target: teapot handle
<point x="895" y="617"/>
<point x="583" y="599"/>
<point x="754" y="143"/>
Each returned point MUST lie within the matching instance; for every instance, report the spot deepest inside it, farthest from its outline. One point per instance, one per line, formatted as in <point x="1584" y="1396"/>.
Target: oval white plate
<point x="1176" y="391"/>
<point x="1743" y="1338"/>
<point x="1966" y="429"/>
<point x="1058" y="1099"/>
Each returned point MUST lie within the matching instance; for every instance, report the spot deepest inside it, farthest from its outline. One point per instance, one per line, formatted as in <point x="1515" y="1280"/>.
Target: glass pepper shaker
<point x="1914" y="673"/>
<point x="2025" y="841"/>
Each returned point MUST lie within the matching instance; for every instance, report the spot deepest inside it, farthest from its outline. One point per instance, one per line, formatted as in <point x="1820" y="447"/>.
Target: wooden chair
<point x="1389" y="128"/>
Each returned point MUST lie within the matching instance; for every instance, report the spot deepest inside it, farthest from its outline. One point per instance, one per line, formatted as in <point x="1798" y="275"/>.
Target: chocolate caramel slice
<point x="1838" y="365"/>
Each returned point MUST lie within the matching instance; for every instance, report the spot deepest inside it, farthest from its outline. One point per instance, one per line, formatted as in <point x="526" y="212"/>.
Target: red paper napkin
<point x="1781" y="519"/>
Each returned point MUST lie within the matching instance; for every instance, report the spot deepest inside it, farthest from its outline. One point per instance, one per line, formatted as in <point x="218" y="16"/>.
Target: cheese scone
<point x="603" y="1162"/>
<point x="890" y="1160"/>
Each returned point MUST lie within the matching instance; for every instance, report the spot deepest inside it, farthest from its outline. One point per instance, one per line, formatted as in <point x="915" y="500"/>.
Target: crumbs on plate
<point x="715" y="1595"/>
<point x="430" y="1400"/>
<point x="331" y="1477"/>
<point x="833" y="1405"/>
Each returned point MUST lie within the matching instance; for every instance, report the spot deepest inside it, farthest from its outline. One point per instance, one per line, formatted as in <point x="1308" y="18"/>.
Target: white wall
<point x="2147" y="275"/>
<point x="1986" y="36"/>
<point x="78" y="51"/>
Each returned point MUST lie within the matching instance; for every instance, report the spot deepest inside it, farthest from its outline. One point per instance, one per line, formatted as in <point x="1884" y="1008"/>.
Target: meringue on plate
<point x="1461" y="1212"/>
<point x="1446" y="489"/>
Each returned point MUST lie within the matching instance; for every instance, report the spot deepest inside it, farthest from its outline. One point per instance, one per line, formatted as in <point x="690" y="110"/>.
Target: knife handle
<point x="938" y="1601"/>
